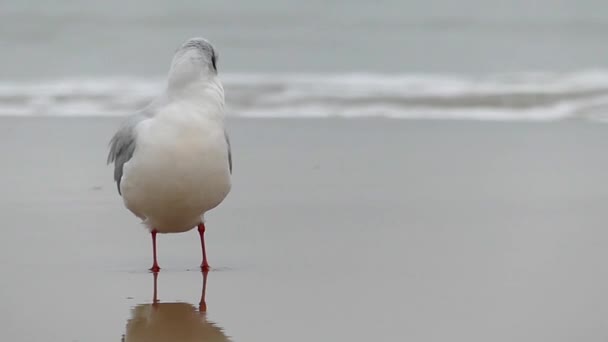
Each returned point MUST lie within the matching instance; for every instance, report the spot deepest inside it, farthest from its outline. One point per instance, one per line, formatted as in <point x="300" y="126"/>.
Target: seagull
<point x="172" y="159"/>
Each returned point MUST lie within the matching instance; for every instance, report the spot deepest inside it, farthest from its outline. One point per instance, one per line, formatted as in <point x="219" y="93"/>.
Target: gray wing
<point x="122" y="146"/>
<point x="229" y="151"/>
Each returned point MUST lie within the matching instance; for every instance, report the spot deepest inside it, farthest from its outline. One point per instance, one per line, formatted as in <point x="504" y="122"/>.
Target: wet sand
<point x="336" y="230"/>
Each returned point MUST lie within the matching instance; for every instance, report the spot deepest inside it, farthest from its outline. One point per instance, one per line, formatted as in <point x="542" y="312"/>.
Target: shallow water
<point x="345" y="230"/>
<point x="64" y="38"/>
<point x="510" y="97"/>
<point x="469" y="59"/>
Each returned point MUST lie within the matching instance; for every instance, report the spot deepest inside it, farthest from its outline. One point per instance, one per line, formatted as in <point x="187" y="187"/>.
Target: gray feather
<point x="122" y="146"/>
<point x="229" y="151"/>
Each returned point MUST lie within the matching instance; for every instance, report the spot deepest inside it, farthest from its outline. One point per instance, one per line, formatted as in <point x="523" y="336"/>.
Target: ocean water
<point x="466" y="59"/>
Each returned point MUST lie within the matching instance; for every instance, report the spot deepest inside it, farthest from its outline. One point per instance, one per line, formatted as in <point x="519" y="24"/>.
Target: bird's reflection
<point x="178" y="321"/>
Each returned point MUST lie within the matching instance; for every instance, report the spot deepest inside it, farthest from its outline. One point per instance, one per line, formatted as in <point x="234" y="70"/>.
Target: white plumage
<point x="179" y="169"/>
<point x="172" y="160"/>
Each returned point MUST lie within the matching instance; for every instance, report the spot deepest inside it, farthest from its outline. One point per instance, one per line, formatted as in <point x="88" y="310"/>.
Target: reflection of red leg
<point x="154" y="267"/>
<point x="202" y="306"/>
<point x="155" y="299"/>
<point x="201" y="232"/>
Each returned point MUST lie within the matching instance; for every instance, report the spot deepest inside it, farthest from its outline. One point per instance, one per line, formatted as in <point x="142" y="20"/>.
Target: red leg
<point x="154" y="267"/>
<point x="201" y="232"/>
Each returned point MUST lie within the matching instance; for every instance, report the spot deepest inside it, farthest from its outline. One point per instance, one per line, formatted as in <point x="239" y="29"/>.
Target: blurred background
<point x="476" y="59"/>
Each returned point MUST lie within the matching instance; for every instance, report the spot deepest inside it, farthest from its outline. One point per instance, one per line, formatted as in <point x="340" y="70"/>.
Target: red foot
<point x="202" y="307"/>
<point x="154" y="267"/>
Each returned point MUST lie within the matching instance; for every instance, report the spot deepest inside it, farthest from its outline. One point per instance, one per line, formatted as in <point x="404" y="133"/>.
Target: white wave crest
<point x="523" y="96"/>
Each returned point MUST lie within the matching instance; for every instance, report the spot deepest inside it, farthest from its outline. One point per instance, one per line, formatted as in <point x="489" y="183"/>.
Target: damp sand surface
<point x="336" y="230"/>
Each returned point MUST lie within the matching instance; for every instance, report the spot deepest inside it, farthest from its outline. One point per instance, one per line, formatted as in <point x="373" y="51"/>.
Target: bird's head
<point x="196" y="59"/>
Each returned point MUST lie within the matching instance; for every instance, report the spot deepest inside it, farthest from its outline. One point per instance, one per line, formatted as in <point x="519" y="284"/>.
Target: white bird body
<point x="180" y="167"/>
<point x="172" y="160"/>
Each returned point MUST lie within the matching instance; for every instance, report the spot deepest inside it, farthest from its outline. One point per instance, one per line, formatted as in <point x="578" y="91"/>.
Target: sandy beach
<point x="336" y="230"/>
